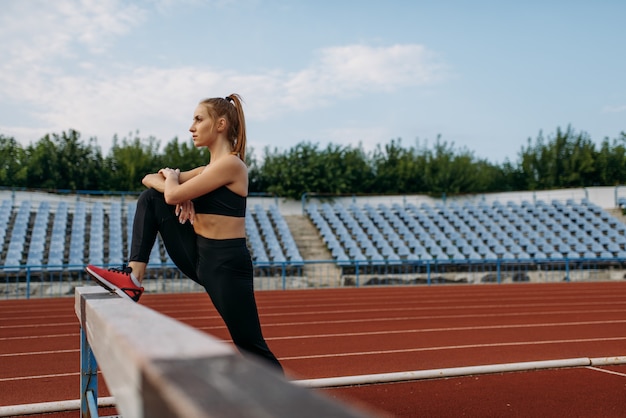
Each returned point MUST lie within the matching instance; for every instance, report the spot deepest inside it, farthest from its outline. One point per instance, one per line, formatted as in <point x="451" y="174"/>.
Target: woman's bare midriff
<point x="219" y="226"/>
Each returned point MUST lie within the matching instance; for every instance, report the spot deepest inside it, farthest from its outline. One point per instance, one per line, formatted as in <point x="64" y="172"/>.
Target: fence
<point x="35" y="281"/>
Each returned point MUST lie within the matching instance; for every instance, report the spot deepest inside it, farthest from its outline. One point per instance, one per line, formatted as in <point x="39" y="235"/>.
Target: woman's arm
<point x="184" y="210"/>
<point x="157" y="180"/>
<point x="229" y="171"/>
<point x="186" y="175"/>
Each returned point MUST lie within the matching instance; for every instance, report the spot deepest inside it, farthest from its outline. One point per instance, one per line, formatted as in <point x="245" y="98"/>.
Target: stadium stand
<point x="18" y="238"/>
<point x="57" y="239"/>
<point x="470" y="232"/>
<point x="66" y="234"/>
<point x="5" y="215"/>
<point x="266" y="230"/>
<point x="284" y="235"/>
<point x="155" y="254"/>
<point x="77" y="237"/>
<point x="96" y="235"/>
<point x="38" y="236"/>
<point x="116" y="236"/>
<point x="254" y="238"/>
<point x="269" y="237"/>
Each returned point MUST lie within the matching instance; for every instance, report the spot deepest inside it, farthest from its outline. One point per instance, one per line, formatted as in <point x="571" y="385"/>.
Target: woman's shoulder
<point x="234" y="161"/>
<point x="228" y="167"/>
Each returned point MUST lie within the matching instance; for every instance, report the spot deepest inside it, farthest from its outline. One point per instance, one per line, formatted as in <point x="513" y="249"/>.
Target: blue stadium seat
<point x="14" y="255"/>
<point x="285" y="236"/>
<point x="95" y="254"/>
<point x="155" y="254"/>
<point x="572" y="255"/>
<point x="38" y="237"/>
<point x="606" y="254"/>
<point x="57" y="238"/>
<point x="77" y="237"/>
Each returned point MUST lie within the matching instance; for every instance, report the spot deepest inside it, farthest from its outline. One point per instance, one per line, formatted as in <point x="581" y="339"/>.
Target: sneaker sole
<point x="107" y="285"/>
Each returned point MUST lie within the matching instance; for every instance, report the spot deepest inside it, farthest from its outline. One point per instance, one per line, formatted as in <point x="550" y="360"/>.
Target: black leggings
<point x="223" y="267"/>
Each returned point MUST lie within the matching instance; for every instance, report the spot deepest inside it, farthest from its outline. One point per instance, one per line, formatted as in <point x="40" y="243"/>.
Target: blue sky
<point x="485" y="75"/>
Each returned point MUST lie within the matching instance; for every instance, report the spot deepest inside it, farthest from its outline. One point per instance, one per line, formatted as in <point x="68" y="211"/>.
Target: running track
<point x="341" y="332"/>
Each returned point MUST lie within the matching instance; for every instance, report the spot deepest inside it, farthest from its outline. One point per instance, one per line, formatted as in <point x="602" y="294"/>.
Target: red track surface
<point x="340" y="332"/>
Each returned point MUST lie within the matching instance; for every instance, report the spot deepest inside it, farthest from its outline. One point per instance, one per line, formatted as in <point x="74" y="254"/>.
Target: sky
<point x="483" y="76"/>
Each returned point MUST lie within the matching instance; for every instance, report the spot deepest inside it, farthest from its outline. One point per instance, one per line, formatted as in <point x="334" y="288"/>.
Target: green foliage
<point x="563" y="160"/>
<point x="63" y="162"/>
<point x="184" y="155"/>
<point x="398" y="170"/>
<point x="335" y="170"/>
<point x="129" y="162"/>
<point x="568" y="160"/>
<point x="13" y="168"/>
<point x="611" y="162"/>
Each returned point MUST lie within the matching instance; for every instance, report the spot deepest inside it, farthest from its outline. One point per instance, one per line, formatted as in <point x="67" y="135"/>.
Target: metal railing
<point x="57" y="281"/>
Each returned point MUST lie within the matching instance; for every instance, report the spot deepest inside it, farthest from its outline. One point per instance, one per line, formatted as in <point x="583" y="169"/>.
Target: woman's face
<point x="202" y="127"/>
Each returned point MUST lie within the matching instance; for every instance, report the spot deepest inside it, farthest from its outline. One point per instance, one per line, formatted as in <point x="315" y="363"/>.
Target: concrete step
<point x="311" y="247"/>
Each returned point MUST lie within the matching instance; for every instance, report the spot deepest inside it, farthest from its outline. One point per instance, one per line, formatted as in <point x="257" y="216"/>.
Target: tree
<point x="184" y="155"/>
<point x="43" y="165"/>
<point x="398" y="170"/>
<point x="564" y="159"/>
<point x="449" y="173"/>
<point x="64" y="162"/>
<point x="567" y="160"/>
<point x="132" y="160"/>
<point x="611" y="162"/>
<point x="13" y="168"/>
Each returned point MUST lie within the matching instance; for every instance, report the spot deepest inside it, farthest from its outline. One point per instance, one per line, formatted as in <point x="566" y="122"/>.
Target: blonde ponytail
<point x="231" y="108"/>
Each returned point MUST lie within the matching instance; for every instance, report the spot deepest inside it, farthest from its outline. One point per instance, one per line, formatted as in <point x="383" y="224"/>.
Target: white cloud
<point x="353" y="69"/>
<point x="51" y="74"/>
<point x="166" y="6"/>
<point x="36" y="31"/>
<point x="152" y="99"/>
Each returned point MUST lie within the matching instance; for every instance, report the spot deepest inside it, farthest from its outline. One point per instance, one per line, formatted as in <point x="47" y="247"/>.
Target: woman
<point x="210" y="248"/>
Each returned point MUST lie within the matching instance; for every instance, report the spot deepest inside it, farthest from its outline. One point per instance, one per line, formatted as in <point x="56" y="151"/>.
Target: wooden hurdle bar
<point x="155" y="366"/>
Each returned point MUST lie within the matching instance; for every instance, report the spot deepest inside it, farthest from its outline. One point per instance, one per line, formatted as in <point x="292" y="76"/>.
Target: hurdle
<point x="155" y="366"/>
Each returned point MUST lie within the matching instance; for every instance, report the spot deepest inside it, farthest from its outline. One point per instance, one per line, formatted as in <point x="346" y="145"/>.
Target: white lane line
<point x="39" y="353"/>
<point x="430" y="317"/>
<point x="415" y="306"/>
<point x="36" y="337"/>
<point x="45" y="376"/>
<point x="452" y="347"/>
<point x="22" y="317"/>
<point x="474" y="328"/>
<point x="60" y="324"/>
<point x="320" y="313"/>
<point x="606" y="371"/>
<point x="405" y="318"/>
<point x="428" y="307"/>
<point x="387" y="304"/>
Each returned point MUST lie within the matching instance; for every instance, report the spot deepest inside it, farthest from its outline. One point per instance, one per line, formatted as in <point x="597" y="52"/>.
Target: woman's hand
<point x="154" y="181"/>
<point x="169" y="172"/>
<point x="185" y="212"/>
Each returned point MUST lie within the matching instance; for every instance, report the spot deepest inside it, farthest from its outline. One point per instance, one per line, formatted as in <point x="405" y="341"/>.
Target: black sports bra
<point x="221" y="201"/>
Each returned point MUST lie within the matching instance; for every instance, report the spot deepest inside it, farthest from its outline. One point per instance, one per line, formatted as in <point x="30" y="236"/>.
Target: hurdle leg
<point x="88" y="379"/>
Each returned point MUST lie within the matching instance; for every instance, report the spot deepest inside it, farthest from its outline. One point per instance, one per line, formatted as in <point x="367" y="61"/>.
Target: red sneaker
<point x="116" y="280"/>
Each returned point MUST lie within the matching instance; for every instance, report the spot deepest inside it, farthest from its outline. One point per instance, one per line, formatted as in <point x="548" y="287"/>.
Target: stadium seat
<point x="77" y="237"/>
<point x="38" y="237"/>
<point x="14" y="255"/>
